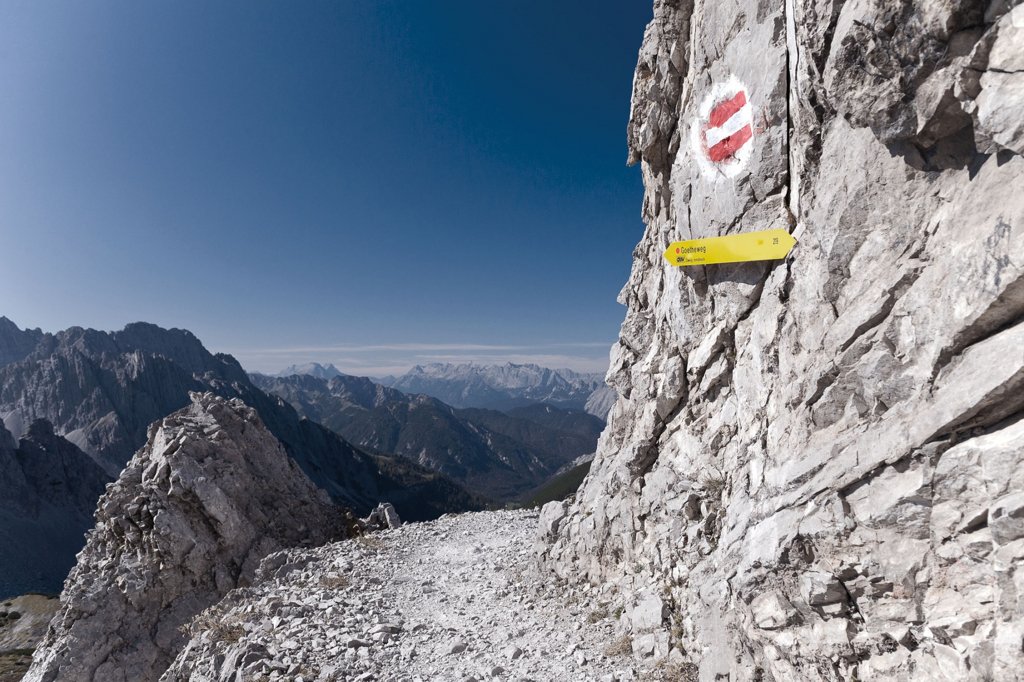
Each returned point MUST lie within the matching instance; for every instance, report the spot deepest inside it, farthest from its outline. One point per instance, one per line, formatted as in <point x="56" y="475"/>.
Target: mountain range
<point x="496" y="454"/>
<point x="501" y="387"/>
<point x="99" y="392"/>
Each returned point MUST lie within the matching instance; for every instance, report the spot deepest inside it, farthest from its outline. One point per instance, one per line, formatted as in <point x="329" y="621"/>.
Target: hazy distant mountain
<point x="313" y="369"/>
<point x="48" y="493"/>
<point x="499" y="387"/>
<point x="494" y="453"/>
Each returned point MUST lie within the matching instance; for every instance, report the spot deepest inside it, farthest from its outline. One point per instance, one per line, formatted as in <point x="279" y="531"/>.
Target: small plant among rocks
<point x="597" y="614"/>
<point x="221" y="628"/>
<point x="675" y="671"/>
<point x="620" y="646"/>
<point x="8" y="617"/>
<point x="334" y="582"/>
<point x="714" y="482"/>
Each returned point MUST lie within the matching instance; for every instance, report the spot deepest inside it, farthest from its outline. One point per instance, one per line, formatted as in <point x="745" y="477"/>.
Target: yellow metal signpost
<point x="733" y="248"/>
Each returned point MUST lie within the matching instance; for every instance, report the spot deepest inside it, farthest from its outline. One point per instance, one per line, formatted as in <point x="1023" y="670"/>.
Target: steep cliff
<point x="190" y="518"/>
<point x="815" y="468"/>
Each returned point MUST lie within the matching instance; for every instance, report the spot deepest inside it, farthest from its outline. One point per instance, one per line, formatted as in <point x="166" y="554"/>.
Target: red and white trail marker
<point x="723" y="129"/>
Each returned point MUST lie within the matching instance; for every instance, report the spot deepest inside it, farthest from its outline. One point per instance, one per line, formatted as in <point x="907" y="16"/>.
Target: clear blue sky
<point x="371" y="183"/>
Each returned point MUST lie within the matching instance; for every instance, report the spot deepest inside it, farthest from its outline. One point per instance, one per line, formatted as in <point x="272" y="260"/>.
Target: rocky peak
<point x="16" y="344"/>
<point x="210" y="494"/>
<point x="314" y="369"/>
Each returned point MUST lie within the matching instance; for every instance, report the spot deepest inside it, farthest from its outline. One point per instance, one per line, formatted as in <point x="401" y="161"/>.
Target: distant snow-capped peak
<point x="315" y="369"/>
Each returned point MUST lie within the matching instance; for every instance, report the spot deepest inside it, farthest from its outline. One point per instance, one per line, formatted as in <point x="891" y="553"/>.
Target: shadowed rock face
<point x="813" y="470"/>
<point x="48" y="492"/>
<point x="190" y="517"/>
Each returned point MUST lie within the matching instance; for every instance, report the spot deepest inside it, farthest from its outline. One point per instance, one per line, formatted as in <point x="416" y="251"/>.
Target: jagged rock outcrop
<point x="813" y="470"/>
<point x="384" y="517"/>
<point x="190" y="518"/>
<point x="48" y="490"/>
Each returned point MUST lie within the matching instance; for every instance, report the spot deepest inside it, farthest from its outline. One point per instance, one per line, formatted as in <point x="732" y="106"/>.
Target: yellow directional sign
<point x="733" y="248"/>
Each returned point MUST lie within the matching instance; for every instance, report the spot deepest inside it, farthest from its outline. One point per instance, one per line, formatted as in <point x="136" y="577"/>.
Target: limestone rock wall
<point x="815" y="468"/>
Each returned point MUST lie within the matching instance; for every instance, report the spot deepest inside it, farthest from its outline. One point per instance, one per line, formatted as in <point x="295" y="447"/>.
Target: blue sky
<point x="371" y="183"/>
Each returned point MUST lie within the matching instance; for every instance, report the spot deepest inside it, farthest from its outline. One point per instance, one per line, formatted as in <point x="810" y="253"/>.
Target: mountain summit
<point x="313" y="369"/>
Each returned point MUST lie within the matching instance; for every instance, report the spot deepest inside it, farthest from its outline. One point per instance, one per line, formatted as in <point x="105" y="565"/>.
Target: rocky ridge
<point x="190" y="518"/>
<point x="313" y="369"/>
<point x="452" y="599"/>
<point x="813" y="468"/>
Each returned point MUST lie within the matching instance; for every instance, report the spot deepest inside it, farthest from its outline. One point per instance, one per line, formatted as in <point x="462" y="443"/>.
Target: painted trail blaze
<point x="723" y="129"/>
<point x="728" y="128"/>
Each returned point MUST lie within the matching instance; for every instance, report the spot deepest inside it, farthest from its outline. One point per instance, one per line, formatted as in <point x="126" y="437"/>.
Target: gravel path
<point x="455" y="599"/>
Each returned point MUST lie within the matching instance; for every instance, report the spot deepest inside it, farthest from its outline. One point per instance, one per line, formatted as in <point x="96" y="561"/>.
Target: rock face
<point x="814" y="468"/>
<point x="601" y="401"/>
<point x="102" y="390"/>
<point x="191" y="516"/>
<point x="498" y="455"/>
<point x="48" y="489"/>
